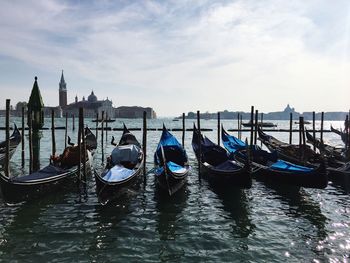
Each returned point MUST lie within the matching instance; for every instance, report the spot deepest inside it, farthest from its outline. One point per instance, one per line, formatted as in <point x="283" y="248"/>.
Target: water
<point x="261" y="224"/>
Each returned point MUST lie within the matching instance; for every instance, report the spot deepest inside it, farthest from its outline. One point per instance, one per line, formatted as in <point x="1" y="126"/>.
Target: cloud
<point x="208" y="55"/>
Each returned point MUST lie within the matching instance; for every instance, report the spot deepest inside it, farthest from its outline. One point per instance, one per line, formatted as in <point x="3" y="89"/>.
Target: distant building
<point x="62" y="91"/>
<point x="134" y="112"/>
<point x="91" y="107"/>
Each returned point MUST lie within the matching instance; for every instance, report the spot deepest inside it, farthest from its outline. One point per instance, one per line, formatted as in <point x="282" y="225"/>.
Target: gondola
<point x="334" y="154"/>
<point x="90" y="139"/>
<point x="261" y="124"/>
<point x="342" y="134"/>
<point x="216" y="166"/>
<point x="171" y="163"/>
<point x="338" y="166"/>
<point x="267" y="167"/>
<point x="62" y="171"/>
<point x="123" y="168"/>
<point x="297" y="154"/>
<point x="100" y="120"/>
<point x="15" y="140"/>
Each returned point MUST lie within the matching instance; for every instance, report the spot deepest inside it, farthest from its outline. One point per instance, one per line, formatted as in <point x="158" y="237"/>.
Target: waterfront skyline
<point x="209" y="56"/>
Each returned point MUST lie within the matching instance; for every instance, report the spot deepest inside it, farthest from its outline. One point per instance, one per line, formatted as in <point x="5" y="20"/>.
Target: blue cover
<point x="283" y="166"/>
<point x="232" y="143"/>
<point x="118" y="173"/>
<point x="173" y="167"/>
<point x="173" y="150"/>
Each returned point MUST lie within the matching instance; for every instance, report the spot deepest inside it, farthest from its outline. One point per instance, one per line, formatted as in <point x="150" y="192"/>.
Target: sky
<point x="180" y="55"/>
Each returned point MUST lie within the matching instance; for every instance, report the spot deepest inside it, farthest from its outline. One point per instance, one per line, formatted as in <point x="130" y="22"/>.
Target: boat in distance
<point x="260" y="124"/>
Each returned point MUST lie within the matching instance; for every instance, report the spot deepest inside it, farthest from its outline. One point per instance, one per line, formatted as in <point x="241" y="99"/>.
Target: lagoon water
<point x="261" y="224"/>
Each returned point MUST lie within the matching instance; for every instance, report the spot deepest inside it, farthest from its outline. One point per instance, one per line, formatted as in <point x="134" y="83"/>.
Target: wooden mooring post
<point x="238" y="119"/>
<point x="303" y="137"/>
<point x="314" y="127"/>
<point x="219" y="128"/>
<point x="144" y="141"/>
<point x="322" y="119"/>
<point x="65" y="132"/>
<point x="261" y="120"/>
<point x="290" y="127"/>
<point x="102" y="124"/>
<point x="347" y="127"/>
<point x="73" y="122"/>
<point x="251" y="125"/>
<point x="7" y="136"/>
<point x="256" y="124"/>
<point x="30" y="130"/>
<point x="22" y="141"/>
<point x="346" y="133"/>
<point x="300" y="138"/>
<point x="240" y="127"/>
<point x="199" y="143"/>
<point x="80" y="149"/>
<point x="53" y="140"/>
<point x="106" y="127"/>
<point x="82" y="130"/>
<point x="96" y="126"/>
<point x="183" y="130"/>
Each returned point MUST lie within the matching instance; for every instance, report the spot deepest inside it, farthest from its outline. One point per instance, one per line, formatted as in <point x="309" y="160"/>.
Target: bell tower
<point x="62" y="92"/>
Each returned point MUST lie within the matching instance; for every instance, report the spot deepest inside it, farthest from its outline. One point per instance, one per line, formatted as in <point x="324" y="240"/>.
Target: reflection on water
<point x="169" y="221"/>
<point x="169" y="210"/>
<point x="309" y="223"/>
<point x="236" y="203"/>
<point x="21" y="222"/>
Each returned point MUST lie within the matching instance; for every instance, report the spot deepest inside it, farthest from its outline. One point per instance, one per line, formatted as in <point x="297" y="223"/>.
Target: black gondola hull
<point x="238" y="179"/>
<point x="171" y="183"/>
<point x="14" y="191"/>
<point x="315" y="179"/>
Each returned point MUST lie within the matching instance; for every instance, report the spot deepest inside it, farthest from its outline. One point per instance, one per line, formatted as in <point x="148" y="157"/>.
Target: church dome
<point x="92" y="97"/>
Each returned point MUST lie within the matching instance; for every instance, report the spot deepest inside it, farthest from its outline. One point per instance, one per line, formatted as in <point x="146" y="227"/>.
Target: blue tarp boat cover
<point x="232" y="143"/>
<point x="118" y="173"/>
<point x="173" y="150"/>
<point x="174" y="168"/>
<point x="283" y="165"/>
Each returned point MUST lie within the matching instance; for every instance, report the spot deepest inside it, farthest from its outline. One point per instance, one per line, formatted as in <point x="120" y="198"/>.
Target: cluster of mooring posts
<point x="35" y="121"/>
<point x="34" y="136"/>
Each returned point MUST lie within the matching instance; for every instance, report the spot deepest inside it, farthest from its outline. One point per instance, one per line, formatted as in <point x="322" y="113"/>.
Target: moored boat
<point x="15" y="140"/>
<point x="56" y="175"/>
<point x="260" y="124"/>
<point x="297" y="154"/>
<point x="266" y="166"/>
<point x="123" y="168"/>
<point x="216" y="165"/>
<point x="171" y="163"/>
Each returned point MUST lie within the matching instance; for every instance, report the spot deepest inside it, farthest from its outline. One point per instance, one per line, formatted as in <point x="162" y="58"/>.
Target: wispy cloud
<point x="208" y="55"/>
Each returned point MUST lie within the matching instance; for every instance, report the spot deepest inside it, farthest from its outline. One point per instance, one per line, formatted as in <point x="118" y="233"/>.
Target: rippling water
<point x="262" y="224"/>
